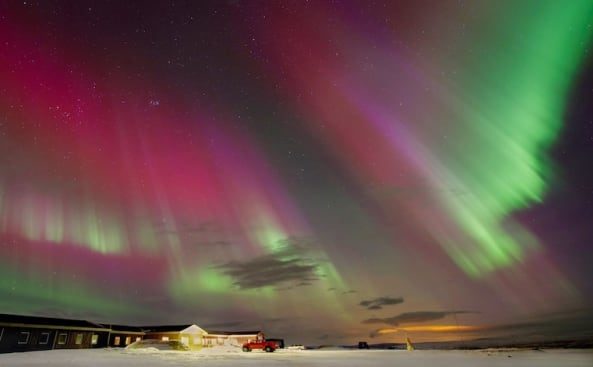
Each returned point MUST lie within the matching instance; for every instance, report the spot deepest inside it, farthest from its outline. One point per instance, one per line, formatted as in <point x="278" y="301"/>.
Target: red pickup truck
<point x="268" y="346"/>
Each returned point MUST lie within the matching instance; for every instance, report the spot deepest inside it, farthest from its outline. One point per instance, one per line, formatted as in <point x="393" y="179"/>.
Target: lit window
<point x="138" y="338"/>
<point x="95" y="339"/>
<point x="24" y="337"/>
<point x="44" y="338"/>
<point x="165" y="338"/>
<point x="62" y="338"/>
<point x="116" y="340"/>
<point x="78" y="340"/>
<point x="128" y="340"/>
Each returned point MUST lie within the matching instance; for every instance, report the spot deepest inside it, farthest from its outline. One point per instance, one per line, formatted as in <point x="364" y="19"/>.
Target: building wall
<point x="100" y="339"/>
<point x="198" y="341"/>
<point x="193" y="341"/>
<point x="161" y="335"/>
<point x="17" y="339"/>
<point x="123" y="339"/>
<point x="213" y="340"/>
<point x="20" y="337"/>
<point x="73" y="339"/>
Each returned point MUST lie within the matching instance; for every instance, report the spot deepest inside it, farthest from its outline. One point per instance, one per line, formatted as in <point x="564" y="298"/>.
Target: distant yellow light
<point x="441" y="328"/>
<point x="429" y="328"/>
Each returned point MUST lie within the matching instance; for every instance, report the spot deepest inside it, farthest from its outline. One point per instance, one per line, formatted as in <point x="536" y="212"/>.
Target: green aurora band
<point x="518" y="80"/>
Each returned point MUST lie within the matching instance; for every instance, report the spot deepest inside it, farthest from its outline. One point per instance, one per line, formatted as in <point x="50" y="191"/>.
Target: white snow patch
<point x="214" y="357"/>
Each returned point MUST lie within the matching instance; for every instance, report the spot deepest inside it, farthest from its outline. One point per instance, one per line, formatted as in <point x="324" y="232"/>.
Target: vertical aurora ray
<point x="478" y="135"/>
<point x="114" y="183"/>
<point x="260" y="215"/>
<point x="280" y="164"/>
<point x="40" y="217"/>
<point x="510" y="111"/>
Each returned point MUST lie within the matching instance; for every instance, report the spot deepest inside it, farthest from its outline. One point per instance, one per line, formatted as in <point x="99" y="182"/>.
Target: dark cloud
<point x="295" y="263"/>
<point x="569" y="326"/>
<point x="378" y="303"/>
<point x="408" y="317"/>
<point x="566" y="325"/>
<point x="268" y="270"/>
<point x="347" y="291"/>
<point x="376" y="333"/>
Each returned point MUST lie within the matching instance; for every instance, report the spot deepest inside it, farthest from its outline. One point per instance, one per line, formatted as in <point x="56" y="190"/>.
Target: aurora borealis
<point x="328" y="171"/>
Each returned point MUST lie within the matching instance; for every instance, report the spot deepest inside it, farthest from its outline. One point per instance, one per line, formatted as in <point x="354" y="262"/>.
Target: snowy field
<point x="285" y="358"/>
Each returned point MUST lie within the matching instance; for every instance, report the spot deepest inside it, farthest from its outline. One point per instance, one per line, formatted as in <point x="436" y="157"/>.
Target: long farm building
<point x="29" y="333"/>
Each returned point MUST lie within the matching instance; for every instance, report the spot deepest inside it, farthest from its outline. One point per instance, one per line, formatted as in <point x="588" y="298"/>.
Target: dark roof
<point x="37" y="321"/>
<point x="47" y="321"/>
<point x="124" y="328"/>
<point x="164" y="328"/>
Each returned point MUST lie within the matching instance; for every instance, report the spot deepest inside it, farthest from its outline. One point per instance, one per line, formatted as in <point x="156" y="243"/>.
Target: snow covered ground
<point x="343" y="358"/>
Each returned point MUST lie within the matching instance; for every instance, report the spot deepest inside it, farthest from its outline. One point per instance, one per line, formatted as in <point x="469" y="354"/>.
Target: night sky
<point x="327" y="171"/>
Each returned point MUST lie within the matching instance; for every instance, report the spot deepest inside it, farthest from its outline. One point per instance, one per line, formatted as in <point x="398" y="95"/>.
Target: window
<point x="62" y="338"/>
<point x="138" y="338"/>
<point x="165" y="338"/>
<point x="24" y="337"/>
<point x="116" y="340"/>
<point x="1" y="333"/>
<point x="95" y="339"/>
<point x="128" y="340"/>
<point x="185" y="340"/>
<point x="79" y="338"/>
<point x="44" y="338"/>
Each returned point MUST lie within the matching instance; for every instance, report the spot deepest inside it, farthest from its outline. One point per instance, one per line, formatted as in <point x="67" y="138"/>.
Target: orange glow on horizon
<point x="429" y="328"/>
